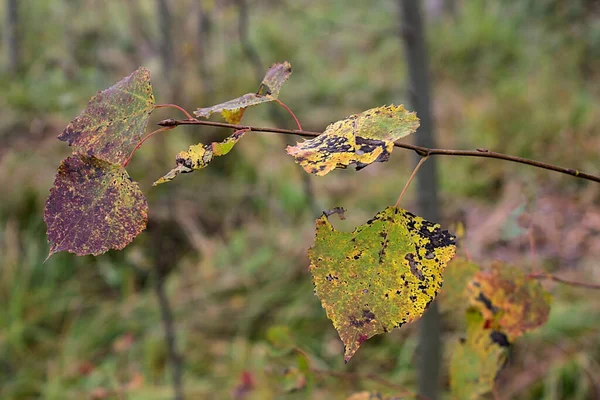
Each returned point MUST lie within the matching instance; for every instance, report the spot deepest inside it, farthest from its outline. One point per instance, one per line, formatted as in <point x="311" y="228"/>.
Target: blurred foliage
<point x="516" y="76"/>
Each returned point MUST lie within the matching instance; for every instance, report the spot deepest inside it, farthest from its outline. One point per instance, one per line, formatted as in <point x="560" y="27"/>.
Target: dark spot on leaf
<point x="487" y="303"/>
<point x="499" y="338"/>
<point x="414" y="269"/>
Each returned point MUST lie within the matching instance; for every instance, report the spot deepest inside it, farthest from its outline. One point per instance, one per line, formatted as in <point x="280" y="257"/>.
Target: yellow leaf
<point x="360" y="139"/>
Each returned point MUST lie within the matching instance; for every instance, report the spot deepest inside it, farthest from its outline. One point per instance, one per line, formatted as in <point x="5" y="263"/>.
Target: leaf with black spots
<point x="94" y="206"/>
<point x="360" y="139"/>
<point x="199" y="156"/>
<point x="382" y="275"/>
<point x="114" y="120"/>
<point x="512" y="302"/>
<point x="233" y="110"/>
<point x="476" y="360"/>
<point x="453" y="297"/>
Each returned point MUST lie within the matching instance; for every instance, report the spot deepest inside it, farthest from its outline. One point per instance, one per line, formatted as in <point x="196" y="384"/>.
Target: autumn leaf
<point x="513" y="303"/>
<point x="458" y="274"/>
<point x="233" y="110"/>
<point x="360" y="139"/>
<point x="476" y="360"/>
<point x="381" y="276"/>
<point x="114" y="120"/>
<point x="199" y="156"/>
<point x="94" y="206"/>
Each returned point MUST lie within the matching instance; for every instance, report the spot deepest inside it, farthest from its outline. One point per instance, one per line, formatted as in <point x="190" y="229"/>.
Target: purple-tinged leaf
<point x="93" y="207"/>
<point x="114" y="120"/>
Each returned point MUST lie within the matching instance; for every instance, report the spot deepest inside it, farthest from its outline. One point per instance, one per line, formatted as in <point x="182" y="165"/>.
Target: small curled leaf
<point x="233" y="110"/>
<point x="200" y="155"/>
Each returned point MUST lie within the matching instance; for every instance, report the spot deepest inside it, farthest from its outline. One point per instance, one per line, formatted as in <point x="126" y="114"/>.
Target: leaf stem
<point x="410" y="179"/>
<point x="420" y="150"/>
<point x="291" y="112"/>
<point x="543" y="275"/>
<point x="187" y="114"/>
<point x="164" y="128"/>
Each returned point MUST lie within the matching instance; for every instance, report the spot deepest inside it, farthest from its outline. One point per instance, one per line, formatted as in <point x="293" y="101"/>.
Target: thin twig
<point x="183" y="110"/>
<point x="141" y="142"/>
<point x="410" y="179"/>
<point x="289" y="110"/>
<point x="565" y="281"/>
<point x="420" y="150"/>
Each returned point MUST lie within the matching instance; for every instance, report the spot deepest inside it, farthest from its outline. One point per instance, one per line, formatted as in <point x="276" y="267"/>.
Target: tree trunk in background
<point x="166" y="48"/>
<point x="437" y="9"/>
<point x="413" y="35"/>
<point x="203" y="40"/>
<point x="11" y="35"/>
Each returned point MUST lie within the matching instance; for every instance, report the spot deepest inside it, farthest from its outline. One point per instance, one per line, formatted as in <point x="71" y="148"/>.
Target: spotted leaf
<point x="476" y="360"/>
<point x="381" y="276"/>
<point x="360" y="139"/>
<point x="453" y="297"/>
<point x="94" y="206"/>
<point x="199" y="156"/>
<point x="511" y="302"/>
<point x="114" y="120"/>
<point x="233" y="110"/>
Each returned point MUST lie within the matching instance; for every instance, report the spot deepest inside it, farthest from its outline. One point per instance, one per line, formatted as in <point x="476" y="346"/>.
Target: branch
<point x="565" y="281"/>
<point x="420" y="150"/>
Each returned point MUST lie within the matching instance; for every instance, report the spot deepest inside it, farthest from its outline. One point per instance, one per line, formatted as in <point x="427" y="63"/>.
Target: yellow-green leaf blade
<point x="198" y="156"/>
<point x="476" y="360"/>
<point x="233" y="110"/>
<point x="453" y="297"/>
<point x="114" y="119"/>
<point x="360" y="139"/>
<point x="381" y="276"/>
<point x="94" y="206"/>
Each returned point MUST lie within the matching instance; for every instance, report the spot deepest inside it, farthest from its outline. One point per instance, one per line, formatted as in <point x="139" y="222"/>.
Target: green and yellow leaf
<point x="199" y="156"/>
<point x="233" y="110"/>
<point x="94" y="206"/>
<point x="476" y="360"/>
<point x="114" y="120"/>
<point x="453" y="297"/>
<point x="360" y="139"/>
<point x="381" y="276"/>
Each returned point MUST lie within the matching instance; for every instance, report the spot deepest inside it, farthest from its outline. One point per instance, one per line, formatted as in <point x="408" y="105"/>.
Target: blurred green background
<point x="516" y="76"/>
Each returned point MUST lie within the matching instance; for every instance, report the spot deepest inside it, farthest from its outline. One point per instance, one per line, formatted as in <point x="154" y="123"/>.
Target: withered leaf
<point x="360" y="139"/>
<point x="114" y="120"/>
<point x="512" y="302"/>
<point x="199" y="156"/>
<point x="382" y="275"/>
<point x="233" y="110"/>
<point x="94" y="206"/>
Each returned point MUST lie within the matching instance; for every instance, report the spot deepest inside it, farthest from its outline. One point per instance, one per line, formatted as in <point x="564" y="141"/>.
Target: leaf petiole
<point x="412" y="176"/>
